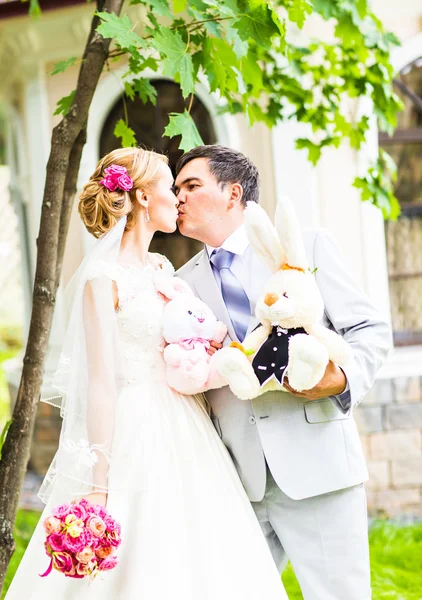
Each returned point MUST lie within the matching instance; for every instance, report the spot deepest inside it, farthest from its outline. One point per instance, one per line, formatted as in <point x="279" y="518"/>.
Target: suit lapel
<point x="207" y="289"/>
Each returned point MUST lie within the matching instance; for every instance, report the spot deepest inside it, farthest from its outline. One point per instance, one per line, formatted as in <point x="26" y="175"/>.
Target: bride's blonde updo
<point x="101" y="208"/>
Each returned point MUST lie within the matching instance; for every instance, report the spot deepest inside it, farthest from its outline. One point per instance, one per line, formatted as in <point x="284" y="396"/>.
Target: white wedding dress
<point x="188" y="530"/>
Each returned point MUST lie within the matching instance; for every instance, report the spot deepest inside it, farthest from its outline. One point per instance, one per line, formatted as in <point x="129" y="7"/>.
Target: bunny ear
<point x="171" y="287"/>
<point x="290" y="234"/>
<point x="263" y="236"/>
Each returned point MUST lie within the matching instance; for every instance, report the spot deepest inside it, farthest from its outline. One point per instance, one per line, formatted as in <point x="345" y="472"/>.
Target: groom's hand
<point x="332" y="384"/>
<point x="214" y="346"/>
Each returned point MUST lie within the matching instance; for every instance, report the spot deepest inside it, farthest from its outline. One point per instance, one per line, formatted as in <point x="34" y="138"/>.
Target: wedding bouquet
<point x="82" y="540"/>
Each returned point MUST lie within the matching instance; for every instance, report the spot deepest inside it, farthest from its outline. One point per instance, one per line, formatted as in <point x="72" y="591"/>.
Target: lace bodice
<point x="139" y="319"/>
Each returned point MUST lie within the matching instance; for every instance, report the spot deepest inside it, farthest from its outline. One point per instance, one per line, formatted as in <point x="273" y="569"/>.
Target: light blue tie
<point x="234" y="295"/>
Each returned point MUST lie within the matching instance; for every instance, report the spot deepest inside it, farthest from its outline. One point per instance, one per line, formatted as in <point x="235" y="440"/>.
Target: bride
<point x="128" y="441"/>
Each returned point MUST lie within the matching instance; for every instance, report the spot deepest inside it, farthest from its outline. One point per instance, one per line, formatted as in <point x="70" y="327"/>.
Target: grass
<point x="396" y="563"/>
<point x="26" y="522"/>
<point x="396" y="559"/>
<point x="396" y="556"/>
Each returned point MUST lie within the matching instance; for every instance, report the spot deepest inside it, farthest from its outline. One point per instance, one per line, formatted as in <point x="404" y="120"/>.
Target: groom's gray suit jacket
<point x="311" y="447"/>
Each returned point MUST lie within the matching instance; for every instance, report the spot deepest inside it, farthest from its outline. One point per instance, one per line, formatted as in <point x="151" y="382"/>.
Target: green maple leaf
<point x="225" y="9"/>
<point x="160" y="7"/>
<point x="326" y="8"/>
<point x="119" y="29"/>
<point x="183" y="124"/>
<point x="64" y="104"/>
<point x="61" y="66"/>
<point x="258" y="25"/>
<point x="314" y="151"/>
<point x="145" y="90"/>
<point x="347" y="31"/>
<point x="299" y="11"/>
<point x="129" y="91"/>
<point x="179" y="61"/>
<point x="179" y="5"/>
<point x="126" y="134"/>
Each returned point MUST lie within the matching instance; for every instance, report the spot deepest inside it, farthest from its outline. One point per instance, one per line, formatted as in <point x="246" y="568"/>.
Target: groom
<point x="298" y="454"/>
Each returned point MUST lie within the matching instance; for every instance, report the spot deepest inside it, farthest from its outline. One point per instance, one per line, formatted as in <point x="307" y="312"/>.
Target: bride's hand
<point x="95" y="498"/>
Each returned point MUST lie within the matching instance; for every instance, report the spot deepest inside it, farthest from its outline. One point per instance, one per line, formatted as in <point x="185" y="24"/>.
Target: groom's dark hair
<point x="227" y="166"/>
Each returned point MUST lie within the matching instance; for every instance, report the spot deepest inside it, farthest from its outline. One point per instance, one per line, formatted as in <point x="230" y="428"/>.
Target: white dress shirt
<point x="243" y="265"/>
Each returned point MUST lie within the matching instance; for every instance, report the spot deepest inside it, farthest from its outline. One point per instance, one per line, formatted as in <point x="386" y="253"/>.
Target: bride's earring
<point x="147" y="217"/>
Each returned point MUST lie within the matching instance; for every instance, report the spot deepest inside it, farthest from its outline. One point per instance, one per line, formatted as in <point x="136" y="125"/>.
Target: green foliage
<point x="240" y="48"/>
<point x="120" y="29"/>
<point x="377" y="185"/>
<point x="34" y="7"/>
<point x="176" y="60"/>
<point x="125" y="133"/>
<point x="143" y="88"/>
<point x="64" y="104"/>
<point x="63" y="65"/>
<point x="184" y="125"/>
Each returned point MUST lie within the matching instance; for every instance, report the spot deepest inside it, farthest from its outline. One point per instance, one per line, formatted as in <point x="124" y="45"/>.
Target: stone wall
<point x="390" y="423"/>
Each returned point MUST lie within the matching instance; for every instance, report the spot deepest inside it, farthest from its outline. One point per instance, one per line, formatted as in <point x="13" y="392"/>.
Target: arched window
<point x="404" y="236"/>
<point x="148" y="122"/>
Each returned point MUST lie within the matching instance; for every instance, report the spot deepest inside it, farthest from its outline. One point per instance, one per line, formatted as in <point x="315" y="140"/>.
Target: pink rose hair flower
<point x="117" y="178"/>
<point x="81" y="539"/>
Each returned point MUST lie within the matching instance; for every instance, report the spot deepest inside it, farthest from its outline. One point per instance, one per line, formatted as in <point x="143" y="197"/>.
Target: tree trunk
<point x="67" y="143"/>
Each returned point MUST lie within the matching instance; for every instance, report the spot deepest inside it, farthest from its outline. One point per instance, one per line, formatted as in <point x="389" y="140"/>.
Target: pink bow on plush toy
<point x="189" y="367"/>
<point x="192" y="343"/>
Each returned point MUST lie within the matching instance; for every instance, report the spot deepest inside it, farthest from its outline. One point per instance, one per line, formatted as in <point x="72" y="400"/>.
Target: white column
<point x="294" y="174"/>
<point x="37" y="136"/>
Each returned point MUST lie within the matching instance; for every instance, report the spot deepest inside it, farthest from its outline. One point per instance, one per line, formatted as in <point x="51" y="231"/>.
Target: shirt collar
<point x="237" y="242"/>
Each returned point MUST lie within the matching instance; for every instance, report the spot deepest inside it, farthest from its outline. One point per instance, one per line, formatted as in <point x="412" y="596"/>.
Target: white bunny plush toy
<point x="290" y="339"/>
<point x="188" y="327"/>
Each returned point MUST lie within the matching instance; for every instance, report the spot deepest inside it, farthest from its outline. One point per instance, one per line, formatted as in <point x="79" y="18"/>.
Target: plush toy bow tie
<point x="191" y="343"/>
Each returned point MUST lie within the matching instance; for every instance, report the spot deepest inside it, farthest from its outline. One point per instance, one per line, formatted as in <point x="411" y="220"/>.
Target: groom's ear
<point x="236" y="194"/>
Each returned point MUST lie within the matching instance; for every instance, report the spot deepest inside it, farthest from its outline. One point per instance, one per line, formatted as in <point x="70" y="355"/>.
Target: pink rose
<point x="73" y="544"/>
<point x="115" y="170"/>
<point x="55" y="541"/>
<point x="110" y="524"/>
<point x="79" y="511"/>
<point x="107" y="564"/>
<point x="116" y="177"/>
<point x="89" y="509"/>
<point x="52" y="525"/>
<point x="61" y="511"/>
<point x="97" y="526"/>
<point x="114" y="537"/>
<point x="125" y="182"/>
<point x="85" y="555"/>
